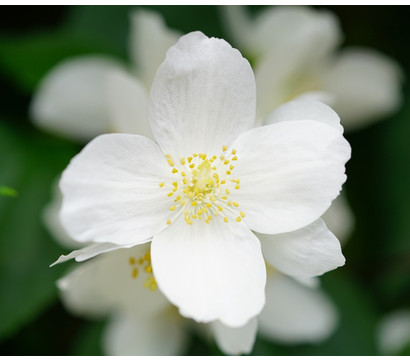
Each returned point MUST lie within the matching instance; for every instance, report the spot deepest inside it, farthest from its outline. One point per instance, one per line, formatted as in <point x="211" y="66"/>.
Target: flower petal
<point x="289" y="173"/>
<point x="150" y="39"/>
<point x="393" y="332"/>
<point x="295" y="30"/>
<point x="89" y="252"/>
<point x="339" y="218"/>
<point x="305" y="110"/>
<point x="310" y="251"/>
<point x="127" y="104"/>
<point x="366" y="86"/>
<point x="203" y="96"/>
<point x="235" y="341"/>
<point x="52" y="221"/>
<point x="127" y="335"/>
<point x="294" y="313"/>
<point x="210" y="271"/>
<point x="79" y="293"/>
<point x="111" y="282"/>
<point x="70" y="100"/>
<point x="111" y="191"/>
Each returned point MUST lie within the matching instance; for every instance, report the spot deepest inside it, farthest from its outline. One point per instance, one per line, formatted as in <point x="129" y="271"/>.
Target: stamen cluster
<point x="143" y="263"/>
<point x="202" y="187"/>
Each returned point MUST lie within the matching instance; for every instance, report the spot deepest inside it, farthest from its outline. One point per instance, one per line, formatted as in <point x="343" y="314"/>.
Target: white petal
<point x="312" y="282"/>
<point x="127" y="104"/>
<point x="305" y="110"/>
<point x="235" y="341"/>
<point x="89" y="252"/>
<point x="296" y="31"/>
<point x="210" y="271"/>
<point x="289" y="173"/>
<point x="80" y="293"/>
<point x="128" y="335"/>
<point x="51" y="218"/>
<point x="111" y="191"/>
<point x="310" y="251"/>
<point x="393" y="332"/>
<point x="70" y="100"/>
<point x="294" y="313"/>
<point x="202" y="97"/>
<point x="366" y="86"/>
<point x="150" y="39"/>
<point x="339" y="218"/>
<point x="108" y="282"/>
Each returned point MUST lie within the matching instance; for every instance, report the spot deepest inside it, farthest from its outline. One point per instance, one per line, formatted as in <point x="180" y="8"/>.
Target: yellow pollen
<point x="189" y="158"/>
<point x="224" y="197"/>
<point x="233" y="152"/>
<point x="234" y="158"/>
<point x="172" y="208"/>
<point x="184" y="181"/>
<point x="224" y="148"/>
<point x="148" y="269"/>
<point x="178" y="198"/>
<point x="227" y="192"/>
<point x="225" y="219"/>
<point x="170" y="162"/>
<point x="191" y="166"/>
<point x="174" y="170"/>
<point x="235" y="203"/>
<point x="132" y="260"/>
<point x="231" y="167"/>
<point x="220" y="208"/>
<point x="183" y="173"/>
<point x="238" y="219"/>
<point x="223" y="182"/>
<point x="168" y="156"/>
<point x="208" y="205"/>
<point x="226" y="162"/>
<point x="170" y="194"/>
<point x="194" y="154"/>
<point x="237" y="187"/>
<point x="194" y="203"/>
<point x="140" y="261"/>
<point x="182" y="161"/>
<point x="228" y="172"/>
<point x="134" y="273"/>
<point x="242" y="214"/>
<point x="168" y="222"/>
<point x="161" y="185"/>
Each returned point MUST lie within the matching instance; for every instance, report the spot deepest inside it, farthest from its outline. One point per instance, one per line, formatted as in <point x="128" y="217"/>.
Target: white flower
<point x="210" y="181"/>
<point x="295" y="50"/>
<point x="90" y="95"/>
<point x="393" y="333"/>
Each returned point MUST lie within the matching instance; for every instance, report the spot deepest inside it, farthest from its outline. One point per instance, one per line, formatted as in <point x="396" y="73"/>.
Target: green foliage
<point x="7" y="191"/>
<point x="27" y="284"/>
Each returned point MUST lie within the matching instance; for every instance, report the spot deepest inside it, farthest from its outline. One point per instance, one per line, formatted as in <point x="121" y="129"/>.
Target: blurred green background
<point x="376" y="277"/>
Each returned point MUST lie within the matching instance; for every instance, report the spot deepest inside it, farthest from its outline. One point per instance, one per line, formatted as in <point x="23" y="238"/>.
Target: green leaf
<point x="30" y="163"/>
<point x="7" y="191"/>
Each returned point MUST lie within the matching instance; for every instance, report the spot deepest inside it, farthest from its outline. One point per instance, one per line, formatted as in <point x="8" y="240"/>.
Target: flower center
<point x="143" y="264"/>
<point x="202" y="187"/>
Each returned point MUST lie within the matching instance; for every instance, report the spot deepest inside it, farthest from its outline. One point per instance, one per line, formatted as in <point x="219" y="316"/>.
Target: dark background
<point x="376" y="277"/>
